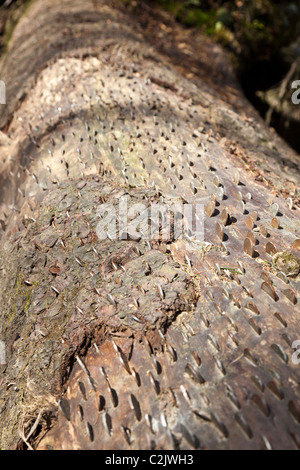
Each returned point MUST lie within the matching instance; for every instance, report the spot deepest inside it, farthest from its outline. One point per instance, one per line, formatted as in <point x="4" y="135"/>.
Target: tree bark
<point x="174" y="344"/>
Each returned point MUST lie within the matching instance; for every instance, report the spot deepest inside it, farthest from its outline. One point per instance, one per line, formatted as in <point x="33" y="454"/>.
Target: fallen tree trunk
<point x="135" y="344"/>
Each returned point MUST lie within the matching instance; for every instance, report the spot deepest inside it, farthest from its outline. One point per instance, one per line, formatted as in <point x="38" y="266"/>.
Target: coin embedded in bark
<point x="290" y="203"/>
<point x="271" y="249"/>
<point x="290" y="294"/>
<point x="54" y="270"/>
<point x="216" y="181"/>
<point x="251" y="306"/>
<point x="241" y="206"/>
<point x="263" y="231"/>
<point x="251" y="237"/>
<point x="236" y="178"/>
<point x="296" y="244"/>
<point x="254" y="216"/>
<point x="274" y="209"/>
<point x="268" y="289"/>
<point x="275" y="223"/>
<point x="210" y="208"/>
<point x="225" y="217"/>
<point x="248" y="247"/>
<point x="239" y="196"/>
<point x="220" y="231"/>
<point x="249" y="222"/>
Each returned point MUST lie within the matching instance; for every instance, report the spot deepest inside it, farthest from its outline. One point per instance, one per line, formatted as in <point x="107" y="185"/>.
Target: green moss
<point x="20" y="291"/>
<point x="28" y="302"/>
<point x="254" y="30"/>
<point x="17" y="11"/>
<point x="199" y="18"/>
<point x="286" y="262"/>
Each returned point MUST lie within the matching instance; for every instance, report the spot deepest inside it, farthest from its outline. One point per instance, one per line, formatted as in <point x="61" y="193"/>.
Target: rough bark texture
<point x="127" y="344"/>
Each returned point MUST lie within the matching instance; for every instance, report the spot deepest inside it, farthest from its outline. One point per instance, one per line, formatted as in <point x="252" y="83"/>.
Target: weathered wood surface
<point x="100" y="106"/>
